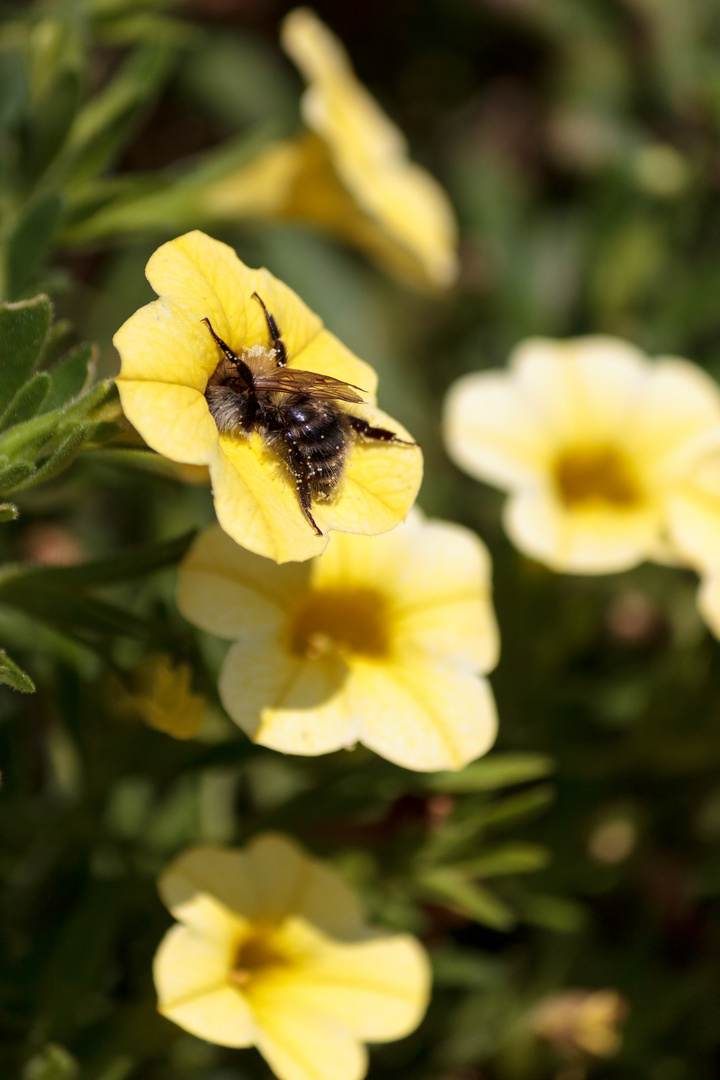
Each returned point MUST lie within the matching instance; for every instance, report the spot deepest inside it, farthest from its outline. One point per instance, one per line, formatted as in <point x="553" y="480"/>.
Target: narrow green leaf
<point x="30" y="241"/>
<point x="497" y="771"/>
<point x="70" y="377"/>
<point x="9" y="512"/>
<point x="23" y="329"/>
<point x="514" y="806"/>
<point x="556" y="913"/>
<point x="27" y="402"/>
<point x="513" y="858"/>
<point x="57" y="462"/>
<point x="14" y="676"/>
<point x="468" y="898"/>
<point x="54" y="1062"/>
<point x="103" y="125"/>
<point x="13" y="87"/>
<point x="13" y="475"/>
<point x="29" y="439"/>
<point x="74" y="613"/>
<point x="49" y="123"/>
<point x="125" y="567"/>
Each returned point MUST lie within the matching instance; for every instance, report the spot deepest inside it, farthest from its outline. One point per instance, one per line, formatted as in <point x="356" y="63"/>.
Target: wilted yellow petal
<point x="409" y="224"/>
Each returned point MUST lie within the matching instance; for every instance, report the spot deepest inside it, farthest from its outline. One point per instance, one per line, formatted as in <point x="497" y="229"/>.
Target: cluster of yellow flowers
<point x="382" y="633"/>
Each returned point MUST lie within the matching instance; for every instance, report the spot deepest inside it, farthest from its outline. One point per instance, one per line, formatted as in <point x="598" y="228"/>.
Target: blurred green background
<point x="578" y="141"/>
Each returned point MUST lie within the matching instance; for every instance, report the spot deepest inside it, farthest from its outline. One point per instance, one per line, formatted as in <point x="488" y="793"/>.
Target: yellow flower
<point x="168" y="355"/>
<point x="270" y="950"/>
<point x="591" y="439"/>
<point x="349" y="172"/>
<point x="694" y="525"/>
<point x="582" y="1021"/>
<point x="161" y="697"/>
<point x="380" y="640"/>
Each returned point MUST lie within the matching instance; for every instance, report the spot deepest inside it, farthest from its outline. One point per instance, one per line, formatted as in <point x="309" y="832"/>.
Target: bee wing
<point x="293" y="381"/>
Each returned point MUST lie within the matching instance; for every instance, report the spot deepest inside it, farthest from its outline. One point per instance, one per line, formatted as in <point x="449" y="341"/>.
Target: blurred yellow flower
<point x="591" y="439"/>
<point x="168" y="355"/>
<point x="161" y="696"/>
<point x="349" y="172"/>
<point x="582" y="1021"/>
<point x="270" y="950"/>
<point x="381" y="640"/>
<point x="694" y="525"/>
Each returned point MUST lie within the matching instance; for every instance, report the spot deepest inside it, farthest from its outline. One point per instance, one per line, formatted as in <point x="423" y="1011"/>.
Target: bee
<point x="297" y="413"/>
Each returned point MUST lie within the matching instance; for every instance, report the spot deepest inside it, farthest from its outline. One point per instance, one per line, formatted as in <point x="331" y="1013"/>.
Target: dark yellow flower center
<point x="258" y="954"/>
<point x="349" y="620"/>
<point x="596" y="474"/>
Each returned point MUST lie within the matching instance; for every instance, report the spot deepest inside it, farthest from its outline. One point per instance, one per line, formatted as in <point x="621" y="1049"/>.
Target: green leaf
<point x="105" y="123"/>
<point x="512" y="858"/>
<point x="13" y="88"/>
<point x="52" y="1063"/>
<point x="9" y="512"/>
<point x="49" y="123"/>
<point x="14" y="676"/>
<point x="497" y="771"/>
<point x="70" y="377"/>
<point x="468" y="898"/>
<point x="57" y="462"/>
<point x="125" y="567"/>
<point x="23" y="330"/>
<point x="30" y="241"/>
<point x="27" y="402"/>
<point x="514" y="806"/>
<point x="554" y="913"/>
<point x="12" y="475"/>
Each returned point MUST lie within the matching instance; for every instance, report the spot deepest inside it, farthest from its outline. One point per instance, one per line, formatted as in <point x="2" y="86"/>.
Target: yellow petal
<point x="582" y="389"/>
<point x="291" y="883"/>
<point x="380" y="484"/>
<point x="174" y="420"/>
<point x="493" y="432"/>
<point x="209" y="889"/>
<point x="436" y="578"/>
<point x="709" y="600"/>
<point x="592" y="541"/>
<point x="191" y="977"/>
<point x="377" y="990"/>
<point x="409" y="223"/>
<point x="228" y="591"/>
<point x="680" y="405"/>
<point x="284" y="702"/>
<point x="298" y="1045"/>
<point x="426" y="717"/>
<point x="204" y="278"/>
<point x="693" y="512"/>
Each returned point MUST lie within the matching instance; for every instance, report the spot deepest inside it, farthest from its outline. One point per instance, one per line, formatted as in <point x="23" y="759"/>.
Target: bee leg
<point x="278" y="343"/>
<point x="298" y="468"/>
<point x="225" y="349"/>
<point x="363" y="428"/>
